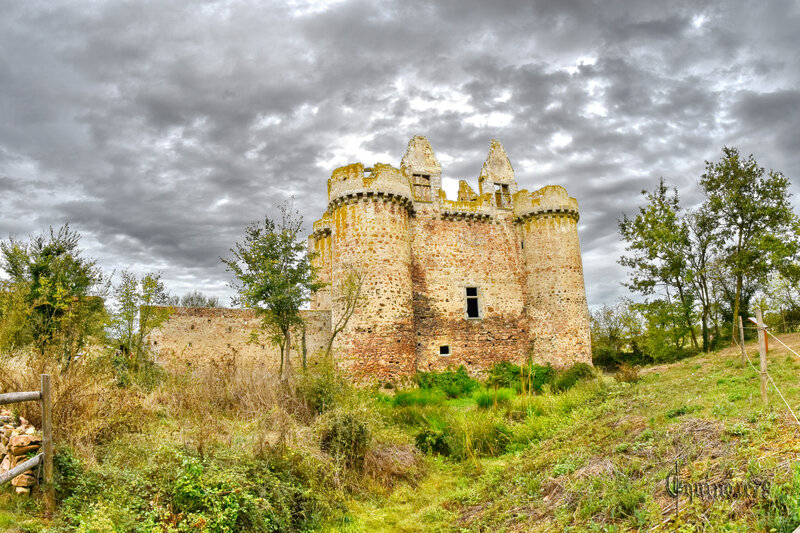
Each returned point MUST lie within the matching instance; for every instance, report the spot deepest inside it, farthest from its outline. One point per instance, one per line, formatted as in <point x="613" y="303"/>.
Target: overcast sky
<point x="158" y="129"/>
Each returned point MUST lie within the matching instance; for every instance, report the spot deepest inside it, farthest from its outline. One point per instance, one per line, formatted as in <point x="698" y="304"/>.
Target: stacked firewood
<point x="18" y="442"/>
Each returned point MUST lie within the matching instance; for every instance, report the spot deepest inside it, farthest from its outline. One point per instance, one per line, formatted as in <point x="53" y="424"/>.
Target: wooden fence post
<point x="741" y="342"/>
<point x="47" y="446"/>
<point x="762" y="350"/>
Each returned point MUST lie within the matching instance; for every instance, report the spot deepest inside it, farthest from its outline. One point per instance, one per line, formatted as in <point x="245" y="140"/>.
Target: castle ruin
<point x="493" y="275"/>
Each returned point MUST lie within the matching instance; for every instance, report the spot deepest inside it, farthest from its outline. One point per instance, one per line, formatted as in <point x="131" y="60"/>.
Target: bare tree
<point x="349" y="297"/>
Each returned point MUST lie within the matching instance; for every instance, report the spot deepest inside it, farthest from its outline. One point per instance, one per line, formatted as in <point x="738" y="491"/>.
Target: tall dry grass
<point x="88" y="407"/>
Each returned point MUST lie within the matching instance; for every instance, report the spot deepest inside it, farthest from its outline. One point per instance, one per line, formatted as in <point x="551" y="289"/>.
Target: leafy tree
<point x="666" y="331"/>
<point x="782" y="293"/>
<point x="274" y="276"/>
<point x="14" y="332"/>
<point x="617" y="334"/>
<point x="702" y="235"/>
<point x="658" y="243"/>
<point x="61" y="290"/>
<point x="757" y="228"/>
<point x="140" y="309"/>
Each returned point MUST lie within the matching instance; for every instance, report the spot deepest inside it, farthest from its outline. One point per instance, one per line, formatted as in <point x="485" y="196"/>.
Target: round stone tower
<point x="557" y="310"/>
<point x="369" y="220"/>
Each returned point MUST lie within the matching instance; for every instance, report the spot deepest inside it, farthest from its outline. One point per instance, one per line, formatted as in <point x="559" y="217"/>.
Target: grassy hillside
<point x="217" y="451"/>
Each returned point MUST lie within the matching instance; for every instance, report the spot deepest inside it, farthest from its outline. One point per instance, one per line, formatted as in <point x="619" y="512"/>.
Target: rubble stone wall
<point x="197" y="335"/>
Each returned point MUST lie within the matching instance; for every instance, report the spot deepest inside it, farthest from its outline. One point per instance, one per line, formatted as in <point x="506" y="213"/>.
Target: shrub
<point x="627" y="373"/>
<point x="68" y="471"/>
<point x="320" y="387"/>
<point x="567" y="379"/>
<point x="345" y="435"/>
<point x="391" y="463"/>
<point x="486" y="398"/>
<point x="529" y="377"/>
<point x="479" y="434"/>
<point x="452" y="383"/>
<point x="419" y="397"/>
<point x="434" y="438"/>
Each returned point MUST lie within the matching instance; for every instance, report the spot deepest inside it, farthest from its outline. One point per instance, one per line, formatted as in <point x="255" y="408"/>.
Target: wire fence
<point x="765" y="372"/>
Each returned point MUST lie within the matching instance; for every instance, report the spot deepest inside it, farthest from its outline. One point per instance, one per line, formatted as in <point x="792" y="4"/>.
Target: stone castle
<point x="490" y="276"/>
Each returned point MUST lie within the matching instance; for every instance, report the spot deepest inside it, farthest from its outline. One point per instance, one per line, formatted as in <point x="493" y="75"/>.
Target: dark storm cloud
<point x="160" y="129"/>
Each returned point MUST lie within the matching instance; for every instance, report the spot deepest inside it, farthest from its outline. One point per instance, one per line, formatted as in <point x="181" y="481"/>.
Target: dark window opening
<point x="472" y="303"/>
<point x="444" y="350"/>
<point x="522" y="244"/>
<point x="502" y="196"/>
<point x="422" y="187"/>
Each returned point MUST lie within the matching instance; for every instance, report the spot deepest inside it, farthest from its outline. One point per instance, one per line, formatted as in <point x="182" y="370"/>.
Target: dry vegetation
<point x="225" y="448"/>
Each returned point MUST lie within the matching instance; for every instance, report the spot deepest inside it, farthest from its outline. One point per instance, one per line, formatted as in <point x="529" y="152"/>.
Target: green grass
<point x="495" y="397"/>
<point x="594" y="457"/>
<point x="590" y="458"/>
<point x="419" y="398"/>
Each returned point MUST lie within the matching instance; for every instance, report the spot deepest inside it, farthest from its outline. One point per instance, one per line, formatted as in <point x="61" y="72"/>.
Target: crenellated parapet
<point x="477" y="208"/>
<point x="549" y="201"/>
<point x="353" y="183"/>
<point x="322" y="227"/>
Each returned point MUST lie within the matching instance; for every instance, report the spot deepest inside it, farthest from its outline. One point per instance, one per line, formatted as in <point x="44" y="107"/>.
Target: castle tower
<point x="319" y="244"/>
<point x="556" y="299"/>
<point x="497" y="176"/>
<point x="369" y="222"/>
<point x="422" y="170"/>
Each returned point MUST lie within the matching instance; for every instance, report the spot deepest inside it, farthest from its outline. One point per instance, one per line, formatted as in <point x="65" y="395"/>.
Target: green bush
<point x="434" y="438"/>
<point x="345" y="434"/>
<point x="452" y="383"/>
<point x="529" y="377"/>
<point x="419" y="397"/>
<point x="479" y="434"/>
<point x="486" y="398"/>
<point x="68" y="470"/>
<point x="567" y="379"/>
<point x="320" y="387"/>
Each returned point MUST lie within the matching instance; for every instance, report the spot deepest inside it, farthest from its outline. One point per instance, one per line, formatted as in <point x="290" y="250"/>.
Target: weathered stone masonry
<point x="491" y="276"/>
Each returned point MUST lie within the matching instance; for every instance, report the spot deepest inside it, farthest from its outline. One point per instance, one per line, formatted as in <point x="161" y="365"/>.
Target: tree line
<point x="695" y="270"/>
<point x="56" y="303"/>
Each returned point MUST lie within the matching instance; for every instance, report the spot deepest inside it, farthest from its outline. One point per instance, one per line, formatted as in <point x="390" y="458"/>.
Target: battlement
<point x="322" y="227"/>
<point x="551" y="200"/>
<point x="353" y="182"/>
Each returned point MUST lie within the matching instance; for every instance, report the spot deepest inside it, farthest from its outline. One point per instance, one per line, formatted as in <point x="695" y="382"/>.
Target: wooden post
<point x="762" y="350"/>
<point x="741" y="342"/>
<point x="47" y="446"/>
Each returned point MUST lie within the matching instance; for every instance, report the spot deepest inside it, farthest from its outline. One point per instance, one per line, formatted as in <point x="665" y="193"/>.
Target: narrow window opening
<point x="472" y="303"/>
<point x="522" y="244"/>
<point x="422" y="187"/>
<point x="444" y="350"/>
<point x="502" y="195"/>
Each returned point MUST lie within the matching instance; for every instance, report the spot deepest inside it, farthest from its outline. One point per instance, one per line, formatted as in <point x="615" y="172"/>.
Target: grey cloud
<point x="162" y="129"/>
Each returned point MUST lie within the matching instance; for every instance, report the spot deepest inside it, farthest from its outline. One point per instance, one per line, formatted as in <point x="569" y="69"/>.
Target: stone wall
<point x="451" y="254"/>
<point x="201" y="335"/>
